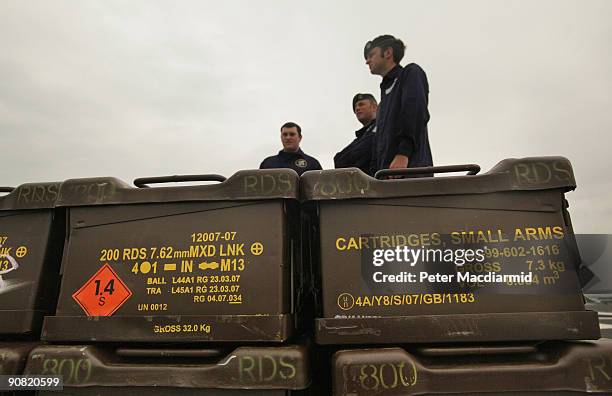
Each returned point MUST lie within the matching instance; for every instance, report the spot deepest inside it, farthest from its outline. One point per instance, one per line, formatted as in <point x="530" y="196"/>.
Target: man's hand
<point x="399" y="161"/>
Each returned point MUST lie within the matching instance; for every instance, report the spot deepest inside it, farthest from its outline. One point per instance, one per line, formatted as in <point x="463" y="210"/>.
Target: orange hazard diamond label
<point x="103" y="293"/>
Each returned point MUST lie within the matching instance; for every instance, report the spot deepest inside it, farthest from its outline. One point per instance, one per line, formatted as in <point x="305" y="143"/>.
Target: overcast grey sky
<point x="144" y="88"/>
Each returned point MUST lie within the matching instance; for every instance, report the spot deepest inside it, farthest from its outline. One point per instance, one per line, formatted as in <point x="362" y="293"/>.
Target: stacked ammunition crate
<point x="178" y="290"/>
<point x="31" y="238"/>
<point x="460" y="285"/>
<point x="456" y="285"/>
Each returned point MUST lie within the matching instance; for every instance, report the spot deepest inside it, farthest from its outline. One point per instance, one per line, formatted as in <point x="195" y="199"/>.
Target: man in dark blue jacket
<point x="402" y="140"/>
<point x="291" y="156"/>
<point x="358" y="153"/>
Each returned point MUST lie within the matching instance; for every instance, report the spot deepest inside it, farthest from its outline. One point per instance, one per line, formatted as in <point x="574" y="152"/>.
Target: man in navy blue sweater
<point x="402" y="139"/>
<point x="291" y="156"/>
<point x="358" y="153"/>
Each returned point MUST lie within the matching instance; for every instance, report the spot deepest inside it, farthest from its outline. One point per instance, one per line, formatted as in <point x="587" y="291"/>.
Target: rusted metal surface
<point x="182" y="264"/>
<point x="555" y="368"/>
<point x="514" y="216"/>
<point x="100" y="370"/>
<point x="31" y="239"/>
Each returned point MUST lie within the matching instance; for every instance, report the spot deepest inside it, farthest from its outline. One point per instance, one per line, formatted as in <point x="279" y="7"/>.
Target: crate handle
<point x="471" y="170"/>
<point x="169" y="353"/>
<point x="142" y="182"/>
<point x="479" y="350"/>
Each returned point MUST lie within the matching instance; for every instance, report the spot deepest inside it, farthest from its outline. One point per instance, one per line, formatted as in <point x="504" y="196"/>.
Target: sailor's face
<point x="291" y="139"/>
<point x="365" y="111"/>
<point x="375" y="61"/>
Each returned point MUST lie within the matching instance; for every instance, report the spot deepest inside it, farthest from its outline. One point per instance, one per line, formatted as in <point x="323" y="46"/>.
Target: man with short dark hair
<point x="358" y="153"/>
<point x="402" y="139"/>
<point x="291" y="156"/>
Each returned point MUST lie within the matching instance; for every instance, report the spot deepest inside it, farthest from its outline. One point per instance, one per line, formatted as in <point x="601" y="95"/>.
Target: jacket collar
<point x="392" y="75"/>
<point x="368" y="127"/>
<point x="284" y="153"/>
